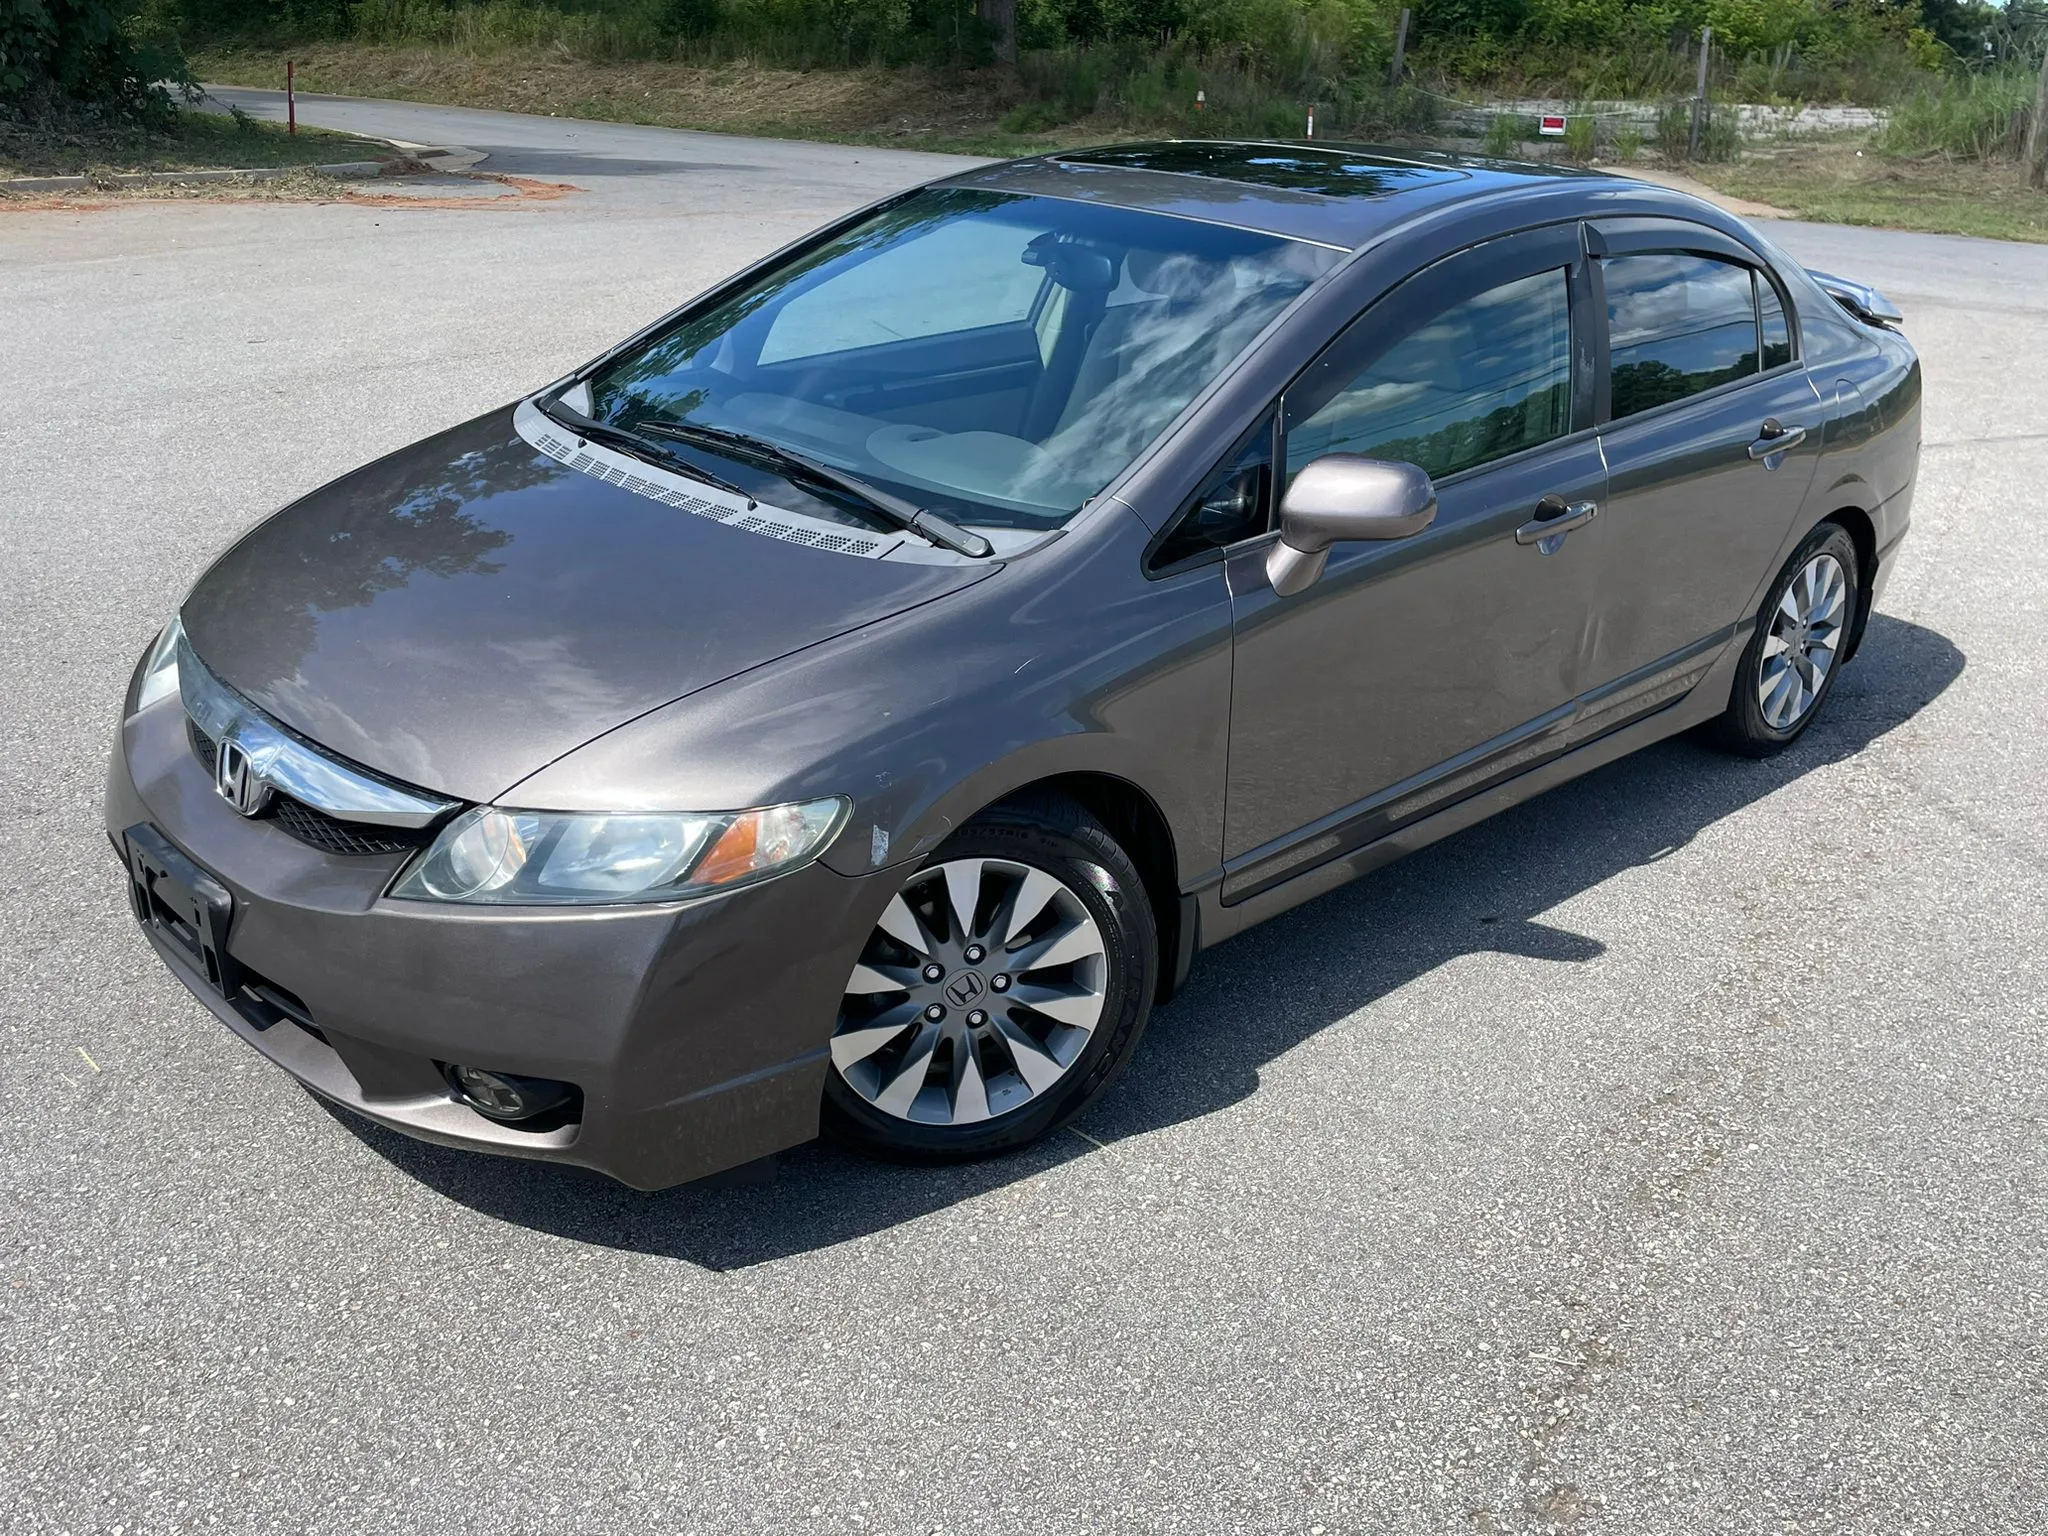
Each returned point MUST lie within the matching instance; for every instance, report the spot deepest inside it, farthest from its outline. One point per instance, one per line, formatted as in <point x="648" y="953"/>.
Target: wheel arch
<point x="1862" y="532"/>
<point x="1135" y="820"/>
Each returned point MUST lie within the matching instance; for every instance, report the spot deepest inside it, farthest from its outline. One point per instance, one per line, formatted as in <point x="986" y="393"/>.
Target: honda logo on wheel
<point x="236" y="779"/>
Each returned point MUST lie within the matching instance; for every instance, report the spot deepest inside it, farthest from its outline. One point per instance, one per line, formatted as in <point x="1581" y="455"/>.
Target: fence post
<point x="2037" y="131"/>
<point x="291" y="101"/>
<point x="1699" y="97"/>
<point x="1400" y="48"/>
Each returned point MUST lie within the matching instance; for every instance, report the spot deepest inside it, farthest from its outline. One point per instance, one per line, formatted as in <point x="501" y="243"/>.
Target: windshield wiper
<point x="926" y="524"/>
<point x="639" y="447"/>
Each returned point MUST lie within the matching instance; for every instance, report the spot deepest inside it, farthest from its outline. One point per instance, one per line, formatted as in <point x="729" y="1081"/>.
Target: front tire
<point x="1790" y="664"/>
<point x="1004" y="987"/>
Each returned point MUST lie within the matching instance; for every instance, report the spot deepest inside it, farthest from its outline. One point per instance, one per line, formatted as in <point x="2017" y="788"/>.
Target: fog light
<point x="505" y="1096"/>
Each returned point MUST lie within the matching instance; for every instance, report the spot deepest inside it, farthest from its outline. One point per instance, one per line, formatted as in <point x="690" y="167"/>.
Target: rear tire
<point x="1004" y="988"/>
<point x="1796" y="652"/>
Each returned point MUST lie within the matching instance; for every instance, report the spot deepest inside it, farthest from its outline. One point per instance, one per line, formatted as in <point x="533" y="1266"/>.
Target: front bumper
<point x="698" y="1032"/>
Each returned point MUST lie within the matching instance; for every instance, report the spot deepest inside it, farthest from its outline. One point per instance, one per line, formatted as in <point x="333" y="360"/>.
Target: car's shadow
<point x="1249" y="1000"/>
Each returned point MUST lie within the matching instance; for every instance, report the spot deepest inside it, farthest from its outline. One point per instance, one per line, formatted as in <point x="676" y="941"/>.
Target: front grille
<point x="316" y="828"/>
<point x="324" y="832"/>
<point x="203" y="746"/>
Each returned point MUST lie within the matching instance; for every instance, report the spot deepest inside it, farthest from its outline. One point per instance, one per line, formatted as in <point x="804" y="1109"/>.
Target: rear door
<point x="1699" y="378"/>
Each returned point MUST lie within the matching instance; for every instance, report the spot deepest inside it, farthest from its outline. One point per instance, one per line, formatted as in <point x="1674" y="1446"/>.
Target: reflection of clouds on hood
<point x="316" y="715"/>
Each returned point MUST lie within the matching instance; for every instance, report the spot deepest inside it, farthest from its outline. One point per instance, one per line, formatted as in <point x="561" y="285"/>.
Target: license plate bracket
<point x="182" y="904"/>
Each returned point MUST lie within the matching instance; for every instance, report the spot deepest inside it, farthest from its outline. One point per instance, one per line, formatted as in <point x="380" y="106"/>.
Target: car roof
<point x="1341" y="195"/>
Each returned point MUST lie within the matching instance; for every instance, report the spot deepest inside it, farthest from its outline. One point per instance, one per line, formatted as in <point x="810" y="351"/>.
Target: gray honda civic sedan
<point x="853" y="701"/>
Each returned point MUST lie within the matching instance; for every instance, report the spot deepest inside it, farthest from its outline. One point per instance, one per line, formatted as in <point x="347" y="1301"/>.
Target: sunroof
<point x="1332" y="172"/>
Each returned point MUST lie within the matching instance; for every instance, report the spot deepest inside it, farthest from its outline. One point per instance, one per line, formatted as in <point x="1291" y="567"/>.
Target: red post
<point x="291" y="101"/>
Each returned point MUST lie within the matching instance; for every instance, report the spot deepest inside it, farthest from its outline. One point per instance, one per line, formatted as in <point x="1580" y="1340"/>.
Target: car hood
<point x="462" y="613"/>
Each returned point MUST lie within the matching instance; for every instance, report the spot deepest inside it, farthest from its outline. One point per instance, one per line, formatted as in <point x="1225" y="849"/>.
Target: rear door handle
<point x="1774" y="442"/>
<point x="1555" y="517"/>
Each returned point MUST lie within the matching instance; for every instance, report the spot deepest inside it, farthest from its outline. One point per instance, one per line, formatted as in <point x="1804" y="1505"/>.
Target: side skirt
<point x="1706" y="697"/>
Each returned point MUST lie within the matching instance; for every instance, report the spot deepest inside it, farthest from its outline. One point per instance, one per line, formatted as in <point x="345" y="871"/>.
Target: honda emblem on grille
<point x="235" y="777"/>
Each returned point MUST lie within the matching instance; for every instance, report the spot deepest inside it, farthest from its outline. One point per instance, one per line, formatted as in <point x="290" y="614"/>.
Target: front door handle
<point x="1774" y="442"/>
<point x="1555" y="517"/>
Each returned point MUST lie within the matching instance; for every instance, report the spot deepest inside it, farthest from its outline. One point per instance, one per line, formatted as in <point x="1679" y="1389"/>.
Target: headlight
<point x="159" y="676"/>
<point x="555" y="858"/>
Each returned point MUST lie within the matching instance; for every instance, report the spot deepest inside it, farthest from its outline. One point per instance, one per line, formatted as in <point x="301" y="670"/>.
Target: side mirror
<point x="1339" y="497"/>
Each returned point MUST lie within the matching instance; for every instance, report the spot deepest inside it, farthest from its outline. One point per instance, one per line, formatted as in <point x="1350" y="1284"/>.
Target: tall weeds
<point x="1975" y="117"/>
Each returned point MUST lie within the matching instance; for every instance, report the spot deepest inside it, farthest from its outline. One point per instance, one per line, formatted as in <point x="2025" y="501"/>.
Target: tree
<point x="81" y="53"/>
<point x="1000" y="17"/>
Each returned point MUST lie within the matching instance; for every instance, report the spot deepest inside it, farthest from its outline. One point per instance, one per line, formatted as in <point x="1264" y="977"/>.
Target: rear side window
<point x="1677" y="326"/>
<point x="1486" y="378"/>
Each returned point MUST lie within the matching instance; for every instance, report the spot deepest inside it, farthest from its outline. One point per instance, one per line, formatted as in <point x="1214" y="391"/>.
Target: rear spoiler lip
<point x="1860" y="299"/>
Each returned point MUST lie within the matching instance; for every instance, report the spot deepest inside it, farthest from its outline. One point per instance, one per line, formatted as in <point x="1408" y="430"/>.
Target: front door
<point x="1702" y="380"/>
<point x="1416" y="671"/>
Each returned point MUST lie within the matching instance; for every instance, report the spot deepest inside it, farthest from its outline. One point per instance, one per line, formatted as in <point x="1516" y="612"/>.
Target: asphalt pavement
<point x="1665" y="1155"/>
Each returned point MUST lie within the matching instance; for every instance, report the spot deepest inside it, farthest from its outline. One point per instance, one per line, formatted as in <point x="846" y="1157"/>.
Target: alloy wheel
<point x="1803" y="643"/>
<point x="976" y="993"/>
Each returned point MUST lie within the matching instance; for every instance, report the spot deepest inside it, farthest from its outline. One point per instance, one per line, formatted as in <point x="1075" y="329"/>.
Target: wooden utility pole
<point x="1699" y="97"/>
<point x="1000" y="17"/>
<point x="1400" y="48"/>
<point x="2037" y="131"/>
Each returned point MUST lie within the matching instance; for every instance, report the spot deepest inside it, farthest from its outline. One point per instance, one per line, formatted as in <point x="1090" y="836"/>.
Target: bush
<point x="1580" y="134"/>
<point x="59" y="56"/>
<point x="689" y="19"/>
<point x="1505" y="136"/>
<point x="1810" y="50"/>
<point x="1720" y="136"/>
<point x="1674" y="130"/>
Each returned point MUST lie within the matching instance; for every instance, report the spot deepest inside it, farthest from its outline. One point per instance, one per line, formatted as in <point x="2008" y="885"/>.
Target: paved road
<point x="1665" y="1156"/>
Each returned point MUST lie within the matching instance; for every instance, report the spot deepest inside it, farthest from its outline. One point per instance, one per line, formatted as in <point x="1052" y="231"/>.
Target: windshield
<point x="994" y="358"/>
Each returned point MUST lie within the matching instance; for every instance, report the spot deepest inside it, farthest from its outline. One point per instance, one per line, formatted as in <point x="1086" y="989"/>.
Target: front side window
<point x="995" y="358"/>
<point x="1230" y="506"/>
<point x="1677" y="325"/>
<point x="1488" y="377"/>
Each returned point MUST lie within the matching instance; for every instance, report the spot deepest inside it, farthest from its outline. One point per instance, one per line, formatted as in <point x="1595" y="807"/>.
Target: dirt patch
<point x="523" y="189"/>
<point x="432" y="190"/>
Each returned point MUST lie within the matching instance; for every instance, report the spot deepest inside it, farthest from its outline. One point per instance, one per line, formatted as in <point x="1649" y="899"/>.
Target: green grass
<point x="1831" y="184"/>
<point x="194" y="141"/>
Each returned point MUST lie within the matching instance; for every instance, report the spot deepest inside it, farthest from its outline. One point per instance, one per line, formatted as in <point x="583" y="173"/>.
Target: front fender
<point x="1067" y="661"/>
